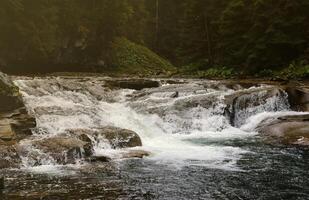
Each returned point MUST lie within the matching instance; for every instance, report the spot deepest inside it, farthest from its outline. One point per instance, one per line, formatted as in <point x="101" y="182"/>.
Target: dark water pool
<point x="265" y="173"/>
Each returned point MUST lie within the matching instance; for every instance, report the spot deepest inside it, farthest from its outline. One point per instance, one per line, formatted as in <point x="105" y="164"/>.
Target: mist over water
<point x="185" y="139"/>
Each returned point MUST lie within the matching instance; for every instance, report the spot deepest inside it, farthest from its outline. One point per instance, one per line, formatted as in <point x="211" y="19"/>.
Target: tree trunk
<point x="208" y="39"/>
<point x="157" y="25"/>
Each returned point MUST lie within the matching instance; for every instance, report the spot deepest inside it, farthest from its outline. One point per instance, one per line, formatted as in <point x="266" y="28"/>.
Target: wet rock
<point x="120" y="138"/>
<point x="243" y="104"/>
<point x="135" y="154"/>
<point x="88" y="147"/>
<point x="116" y="137"/>
<point x="9" y="157"/>
<point x="175" y="95"/>
<point x="286" y="130"/>
<point x="203" y="100"/>
<point x="10" y="98"/>
<point x="15" y="122"/>
<point x="135" y="84"/>
<point x="64" y="149"/>
<point x="99" y="159"/>
<point x="16" y="125"/>
<point x="6" y="132"/>
<point x="298" y="98"/>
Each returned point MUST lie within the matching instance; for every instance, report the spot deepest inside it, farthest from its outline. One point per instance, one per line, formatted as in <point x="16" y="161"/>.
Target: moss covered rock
<point x="130" y="58"/>
<point x="10" y="98"/>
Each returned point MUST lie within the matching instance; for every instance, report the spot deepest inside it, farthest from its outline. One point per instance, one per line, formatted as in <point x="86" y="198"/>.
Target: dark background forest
<point x="219" y="37"/>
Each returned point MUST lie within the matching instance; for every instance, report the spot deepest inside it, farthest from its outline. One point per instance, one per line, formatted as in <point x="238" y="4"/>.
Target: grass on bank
<point x="296" y="70"/>
<point x="129" y="58"/>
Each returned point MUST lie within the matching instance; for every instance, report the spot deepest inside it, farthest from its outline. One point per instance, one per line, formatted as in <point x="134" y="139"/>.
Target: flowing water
<point x="196" y="153"/>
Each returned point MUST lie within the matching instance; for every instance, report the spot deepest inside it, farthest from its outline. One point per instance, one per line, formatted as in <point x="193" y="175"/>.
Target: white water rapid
<point x="190" y="128"/>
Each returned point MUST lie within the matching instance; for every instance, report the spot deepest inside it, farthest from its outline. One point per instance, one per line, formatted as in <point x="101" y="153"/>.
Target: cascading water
<point x="201" y="136"/>
<point x="169" y="127"/>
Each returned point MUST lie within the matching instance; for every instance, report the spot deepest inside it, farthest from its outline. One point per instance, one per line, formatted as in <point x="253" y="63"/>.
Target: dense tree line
<point x="250" y="35"/>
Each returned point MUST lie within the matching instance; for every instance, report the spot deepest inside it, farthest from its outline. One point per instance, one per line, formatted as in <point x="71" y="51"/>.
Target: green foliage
<point x="261" y="33"/>
<point x="257" y="37"/>
<point x="197" y="66"/>
<point x="131" y="58"/>
<point x="71" y="35"/>
<point x="196" y="70"/>
<point x="295" y="70"/>
<point x="222" y="72"/>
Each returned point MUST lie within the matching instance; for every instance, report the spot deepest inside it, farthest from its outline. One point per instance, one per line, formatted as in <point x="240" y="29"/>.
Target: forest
<point x="193" y="37"/>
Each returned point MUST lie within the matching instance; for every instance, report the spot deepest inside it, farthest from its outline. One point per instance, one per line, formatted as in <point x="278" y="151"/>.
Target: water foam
<point x="169" y="137"/>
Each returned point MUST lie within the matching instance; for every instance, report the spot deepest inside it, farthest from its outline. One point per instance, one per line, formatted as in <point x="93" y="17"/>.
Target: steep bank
<point x="121" y="58"/>
<point x="15" y="122"/>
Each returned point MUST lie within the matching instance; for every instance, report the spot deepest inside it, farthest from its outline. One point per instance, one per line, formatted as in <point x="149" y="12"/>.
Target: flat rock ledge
<point x="291" y="130"/>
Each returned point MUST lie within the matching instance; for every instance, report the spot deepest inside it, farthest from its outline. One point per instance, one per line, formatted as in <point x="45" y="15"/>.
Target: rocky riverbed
<point x="108" y="138"/>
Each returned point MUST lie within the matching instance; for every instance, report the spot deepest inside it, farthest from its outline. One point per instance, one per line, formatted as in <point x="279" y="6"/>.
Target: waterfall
<point x="182" y="130"/>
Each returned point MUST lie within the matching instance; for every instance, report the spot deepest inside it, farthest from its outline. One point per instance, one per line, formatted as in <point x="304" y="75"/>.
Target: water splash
<point x="168" y="126"/>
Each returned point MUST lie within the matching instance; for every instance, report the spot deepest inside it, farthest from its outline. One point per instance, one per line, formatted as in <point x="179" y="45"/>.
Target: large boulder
<point x="120" y="138"/>
<point x="116" y="137"/>
<point x="10" y="98"/>
<point x="286" y="130"/>
<point x="16" y="125"/>
<point x="203" y="100"/>
<point x="243" y="104"/>
<point x="63" y="149"/>
<point x="15" y="122"/>
<point x="298" y="98"/>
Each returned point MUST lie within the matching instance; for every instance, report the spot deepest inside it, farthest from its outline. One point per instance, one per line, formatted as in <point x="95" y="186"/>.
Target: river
<point x="195" y="150"/>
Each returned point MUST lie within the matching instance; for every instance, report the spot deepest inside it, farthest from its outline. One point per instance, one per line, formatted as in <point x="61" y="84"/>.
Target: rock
<point x="9" y="157"/>
<point x="243" y="104"/>
<point x="99" y="159"/>
<point x="116" y="137"/>
<point x="120" y="138"/>
<point x="135" y="154"/>
<point x="15" y="122"/>
<point x="298" y="98"/>
<point x="134" y="84"/>
<point x="6" y="132"/>
<point x="10" y="98"/>
<point x="88" y="147"/>
<point x="16" y="125"/>
<point x="175" y="95"/>
<point x="286" y="130"/>
<point x="64" y="149"/>
<point x="203" y="100"/>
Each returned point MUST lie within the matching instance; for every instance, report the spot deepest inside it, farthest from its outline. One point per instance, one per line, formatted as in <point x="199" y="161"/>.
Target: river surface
<point x="195" y="151"/>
